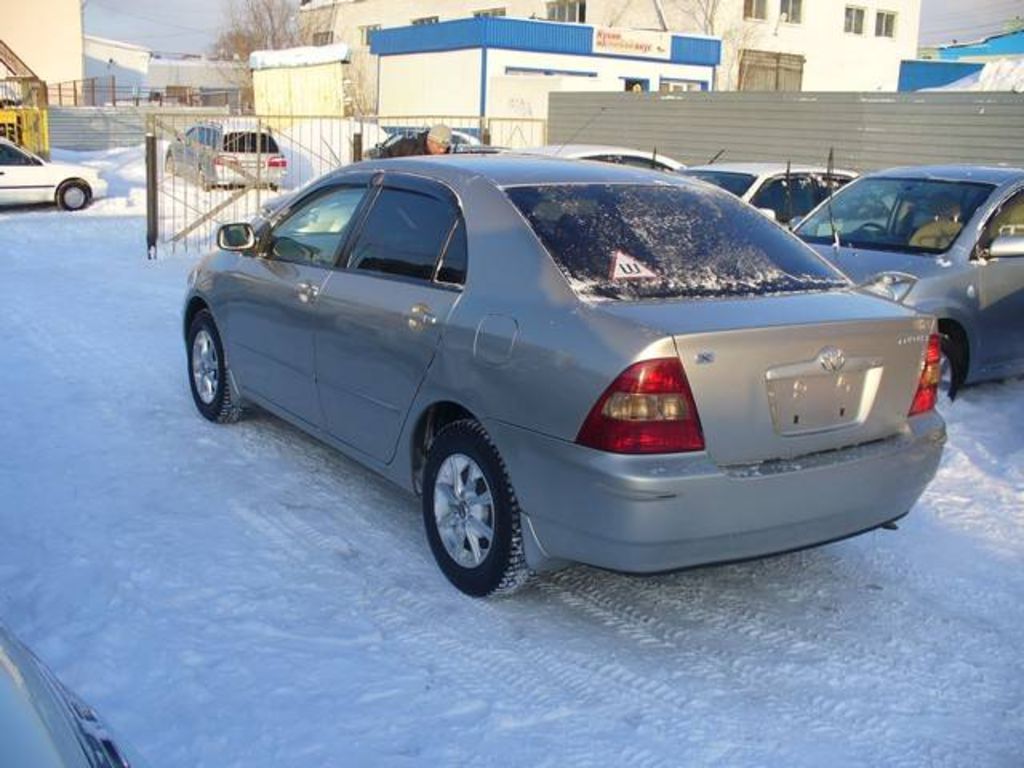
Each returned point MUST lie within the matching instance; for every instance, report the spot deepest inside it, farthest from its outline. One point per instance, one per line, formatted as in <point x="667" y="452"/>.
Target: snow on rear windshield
<point x="629" y="242"/>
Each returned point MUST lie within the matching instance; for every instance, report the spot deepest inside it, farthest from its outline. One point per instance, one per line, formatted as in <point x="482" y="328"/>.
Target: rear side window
<point x="630" y="242"/>
<point x="403" y="234"/>
<point x="250" y="142"/>
<point x="788" y="196"/>
<point x="453" y="265"/>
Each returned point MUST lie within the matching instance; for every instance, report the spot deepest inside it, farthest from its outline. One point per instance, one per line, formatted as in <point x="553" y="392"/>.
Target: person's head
<point x="439" y="138"/>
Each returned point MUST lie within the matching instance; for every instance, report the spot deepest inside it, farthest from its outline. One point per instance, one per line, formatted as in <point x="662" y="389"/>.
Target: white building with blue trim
<point x="504" y="67"/>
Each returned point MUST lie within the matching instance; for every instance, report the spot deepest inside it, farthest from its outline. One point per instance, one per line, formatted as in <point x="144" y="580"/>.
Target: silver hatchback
<point x="571" y="362"/>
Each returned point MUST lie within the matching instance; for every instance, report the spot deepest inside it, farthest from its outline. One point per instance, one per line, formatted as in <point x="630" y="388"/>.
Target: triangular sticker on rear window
<point x="625" y="267"/>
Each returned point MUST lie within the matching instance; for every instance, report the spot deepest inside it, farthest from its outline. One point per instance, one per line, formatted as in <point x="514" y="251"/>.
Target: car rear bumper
<point x="645" y="514"/>
<point x="229" y="176"/>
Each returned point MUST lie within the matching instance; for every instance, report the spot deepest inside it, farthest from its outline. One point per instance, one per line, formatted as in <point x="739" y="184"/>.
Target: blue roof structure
<point x="527" y="35"/>
<point x="916" y="74"/>
<point x="1007" y="44"/>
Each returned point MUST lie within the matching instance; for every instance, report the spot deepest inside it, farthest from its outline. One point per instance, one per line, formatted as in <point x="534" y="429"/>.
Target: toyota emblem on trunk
<point x="832" y="359"/>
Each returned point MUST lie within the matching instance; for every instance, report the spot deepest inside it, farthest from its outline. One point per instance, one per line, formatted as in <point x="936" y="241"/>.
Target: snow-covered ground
<point x="245" y="596"/>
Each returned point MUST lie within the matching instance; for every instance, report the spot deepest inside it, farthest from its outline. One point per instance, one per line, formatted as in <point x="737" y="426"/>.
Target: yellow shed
<point x="300" y="81"/>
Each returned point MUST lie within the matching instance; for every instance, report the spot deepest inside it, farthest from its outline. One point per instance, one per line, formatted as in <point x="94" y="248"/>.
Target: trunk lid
<point x="784" y="376"/>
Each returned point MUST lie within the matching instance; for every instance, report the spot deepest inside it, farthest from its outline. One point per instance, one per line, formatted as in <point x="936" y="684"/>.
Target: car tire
<point x="953" y="366"/>
<point x="208" y="372"/>
<point x="73" y="195"/>
<point x="463" y="465"/>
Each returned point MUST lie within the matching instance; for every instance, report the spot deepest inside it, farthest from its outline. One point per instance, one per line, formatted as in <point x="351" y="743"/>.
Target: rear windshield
<point x="630" y="242"/>
<point x="737" y="183"/>
<point x="251" y="142"/>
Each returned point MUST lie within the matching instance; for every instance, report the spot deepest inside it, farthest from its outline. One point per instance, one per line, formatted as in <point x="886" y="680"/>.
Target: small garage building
<point x="505" y="67"/>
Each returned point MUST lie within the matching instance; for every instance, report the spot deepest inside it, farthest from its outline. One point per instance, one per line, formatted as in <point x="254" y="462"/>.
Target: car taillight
<point x="277" y="162"/>
<point x="649" y="408"/>
<point x="931" y="374"/>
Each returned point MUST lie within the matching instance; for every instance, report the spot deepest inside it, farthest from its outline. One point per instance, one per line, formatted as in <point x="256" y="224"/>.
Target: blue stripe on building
<point x="526" y="35"/>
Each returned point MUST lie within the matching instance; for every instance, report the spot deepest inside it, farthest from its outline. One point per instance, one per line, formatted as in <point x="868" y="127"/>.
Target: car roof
<point x="762" y="169"/>
<point x="989" y="174"/>
<point x="510" y="169"/>
<point x="576" y="150"/>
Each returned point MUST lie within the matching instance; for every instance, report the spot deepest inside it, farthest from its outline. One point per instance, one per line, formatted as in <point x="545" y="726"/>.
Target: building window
<point x="489" y="12"/>
<point x="885" y="24"/>
<point x="323" y="38"/>
<point x="755" y="9"/>
<point x="574" y="11"/>
<point x="425" y="20"/>
<point x="791" y="11"/>
<point x="364" y="33"/>
<point x="854" y="21"/>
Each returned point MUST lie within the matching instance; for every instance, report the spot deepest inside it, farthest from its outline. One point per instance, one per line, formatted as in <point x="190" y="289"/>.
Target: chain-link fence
<point x="205" y="170"/>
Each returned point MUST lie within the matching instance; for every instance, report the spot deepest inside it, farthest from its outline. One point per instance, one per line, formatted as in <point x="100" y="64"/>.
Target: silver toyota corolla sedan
<point x="947" y="240"/>
<point x="571" y="362"/>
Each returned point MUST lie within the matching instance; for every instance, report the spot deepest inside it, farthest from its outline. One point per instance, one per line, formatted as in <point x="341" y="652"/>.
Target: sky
<point x="190" y="26"/>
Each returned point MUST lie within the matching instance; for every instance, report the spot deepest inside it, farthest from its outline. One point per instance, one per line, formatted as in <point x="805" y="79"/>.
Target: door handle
<point x="307" y="292"/>
<point x="420" y="317"/>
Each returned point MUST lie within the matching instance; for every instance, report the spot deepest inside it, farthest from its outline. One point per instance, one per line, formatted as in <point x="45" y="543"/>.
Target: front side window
<point x="737" y="183"/>
<point x="316" y="230"/>
<point x="12" y="156"/>
<point x="573" y="11"/>
<point x="786" y="196"/>
<point x="885" y="24"/>
<point x="791" y="11"/>
<point x="630" y="242"/>
<point x="755" y="9"/>
<point x="910" y="215"/>
<point x="854" y="23"/>
<point x="403" y="234"/>
<point x="1007" y="220"/>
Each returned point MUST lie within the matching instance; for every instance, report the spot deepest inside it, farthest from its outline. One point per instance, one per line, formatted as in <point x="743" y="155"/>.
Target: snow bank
<point x="304" y="56"/>
<point x="1003" y="75"/>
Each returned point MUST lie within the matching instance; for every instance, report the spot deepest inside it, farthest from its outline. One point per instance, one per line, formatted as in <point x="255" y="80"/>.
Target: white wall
<point x="127" y="64"/>
<point x="46" y="35"/>
<point x="834" y="61"/>
<point x="439" y="84"/>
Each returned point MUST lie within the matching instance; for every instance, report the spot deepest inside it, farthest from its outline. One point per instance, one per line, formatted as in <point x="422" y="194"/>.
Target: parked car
<point x="635" y="158"/>
<point x="777" y="191"/>
<point x="570" y="364"/>
<point x="227" y="154"/>
<point x="461" y="142"/>
<point x="25" y="179"/>
<point x="43" y="724"/>
<point x="947" y="240"/>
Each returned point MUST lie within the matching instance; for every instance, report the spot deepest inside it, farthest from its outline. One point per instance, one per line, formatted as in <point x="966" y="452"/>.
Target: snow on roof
<point x="1002" y="75"/>
<point x="304" y="56"/>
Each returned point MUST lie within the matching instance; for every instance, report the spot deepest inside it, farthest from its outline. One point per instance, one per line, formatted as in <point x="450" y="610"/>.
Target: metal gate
<point x="26" y="126"/>
<point x="205" y="170"/>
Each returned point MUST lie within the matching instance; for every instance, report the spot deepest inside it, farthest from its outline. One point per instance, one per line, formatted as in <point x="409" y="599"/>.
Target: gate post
<point x="151" y="192"/>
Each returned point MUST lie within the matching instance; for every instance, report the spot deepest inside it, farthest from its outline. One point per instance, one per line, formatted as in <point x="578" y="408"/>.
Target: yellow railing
<point x="28" y="127"/>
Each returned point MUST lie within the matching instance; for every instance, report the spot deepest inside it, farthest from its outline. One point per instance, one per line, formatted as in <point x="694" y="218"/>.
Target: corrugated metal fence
<point x="92" y="128"/>
<point x="867" y="130"/>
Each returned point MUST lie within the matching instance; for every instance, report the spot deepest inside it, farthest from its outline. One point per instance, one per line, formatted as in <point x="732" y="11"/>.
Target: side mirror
<point x="769" y="212"/>
<point x="236" y="237"/>
<point x="1006" y="246"/>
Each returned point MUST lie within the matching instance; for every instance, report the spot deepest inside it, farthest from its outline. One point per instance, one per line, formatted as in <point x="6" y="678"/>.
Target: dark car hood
<point x="860" y="264"/>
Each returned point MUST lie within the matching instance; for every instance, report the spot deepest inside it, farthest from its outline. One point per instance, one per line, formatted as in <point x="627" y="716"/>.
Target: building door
<point x="770" y="71"/>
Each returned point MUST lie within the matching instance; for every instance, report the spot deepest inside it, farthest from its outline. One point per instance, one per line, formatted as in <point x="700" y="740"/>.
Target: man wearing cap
<point x="436" y="141"/>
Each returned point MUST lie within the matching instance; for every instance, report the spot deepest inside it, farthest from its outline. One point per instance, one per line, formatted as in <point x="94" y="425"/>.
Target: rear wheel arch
<point x="429" y="424"/>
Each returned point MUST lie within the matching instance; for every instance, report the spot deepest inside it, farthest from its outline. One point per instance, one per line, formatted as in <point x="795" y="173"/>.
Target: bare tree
<point x="253" y="25"/>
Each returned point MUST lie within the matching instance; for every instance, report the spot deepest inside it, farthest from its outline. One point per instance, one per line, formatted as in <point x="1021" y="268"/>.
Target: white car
<point x="777" y="191"/>
<point x="636" y="158"/>
<point x="25" y="178"/>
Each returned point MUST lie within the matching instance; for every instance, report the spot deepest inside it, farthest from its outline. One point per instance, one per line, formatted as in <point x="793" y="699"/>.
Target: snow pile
<point x="304" y="56"/>
<point x="1002" y="75"/>
<point x="245" y="596"/>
